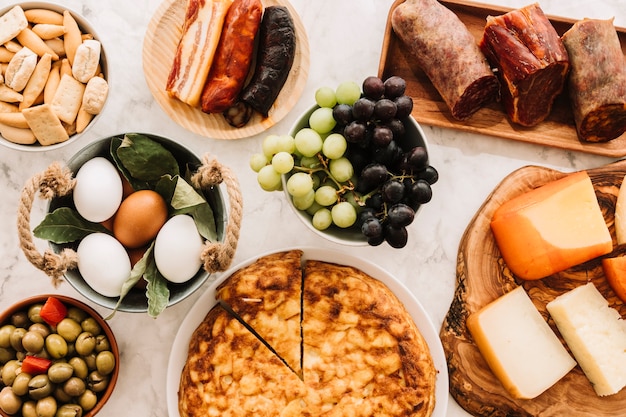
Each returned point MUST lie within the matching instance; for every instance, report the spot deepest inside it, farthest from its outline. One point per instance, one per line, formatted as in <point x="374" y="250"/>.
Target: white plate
<point x="196" y="314"/>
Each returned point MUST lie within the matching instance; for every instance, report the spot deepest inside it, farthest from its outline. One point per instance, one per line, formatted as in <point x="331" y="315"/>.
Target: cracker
<point x="37" y="81"/>
<point x="17" y="135"/>
<point x="45" y="124"/>
<point x="12" y="23"/>
<point x="68" y="98"/>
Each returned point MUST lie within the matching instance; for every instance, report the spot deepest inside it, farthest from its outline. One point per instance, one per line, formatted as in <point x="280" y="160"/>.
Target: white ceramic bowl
<point x="352" y="236"/>
<point x="85" y="27"/>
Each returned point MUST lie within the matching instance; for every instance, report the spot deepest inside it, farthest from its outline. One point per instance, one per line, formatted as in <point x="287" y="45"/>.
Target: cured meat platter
<point x="161" y="40"/>
<point x="558" y="130"/>
<point x="482" y="277"/>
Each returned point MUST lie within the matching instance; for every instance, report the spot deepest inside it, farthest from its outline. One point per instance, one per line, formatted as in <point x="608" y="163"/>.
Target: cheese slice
<point x="519" y="346"/>
<point x="551" y="228"/>
<point x="596" y="335"/>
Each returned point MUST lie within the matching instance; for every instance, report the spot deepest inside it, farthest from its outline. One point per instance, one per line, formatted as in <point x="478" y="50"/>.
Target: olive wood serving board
<point x="482" y="277"/>
<point x="159" y="47"/>
<point x="558" y="130"/>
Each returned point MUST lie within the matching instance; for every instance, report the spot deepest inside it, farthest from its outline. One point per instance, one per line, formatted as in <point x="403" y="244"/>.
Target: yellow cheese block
<point x="596" y="335"/>
<point x="551" y="228"/>
<point x="518" y="345"/>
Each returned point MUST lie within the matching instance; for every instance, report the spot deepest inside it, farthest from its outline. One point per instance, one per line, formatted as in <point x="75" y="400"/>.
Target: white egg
<point x="103" y="263"/>
<point x="98" y="190"/>
<point x="178" y="249"/>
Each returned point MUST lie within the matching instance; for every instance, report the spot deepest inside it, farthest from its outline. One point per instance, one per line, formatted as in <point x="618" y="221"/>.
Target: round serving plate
<point x="160" y="43"/>
<point x="206" y="301"/>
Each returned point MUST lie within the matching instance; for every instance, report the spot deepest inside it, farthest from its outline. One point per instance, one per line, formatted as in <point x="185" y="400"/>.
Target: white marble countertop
<point x="345" y="39"/>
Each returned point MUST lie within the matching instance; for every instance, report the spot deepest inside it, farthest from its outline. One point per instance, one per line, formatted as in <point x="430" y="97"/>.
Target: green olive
<point x="9" y="372"/>
<point x="105" y="362"/>
<point x="88" y="400"/>
<point x="69" y="410"/>
<point x="85" y="343"/>
<point x="91" y="325"/>
<point x="90" y="360"/>
<point x="20" y="319"/>
<point x="69" y="329"/>
<point x="56" y="346"/>
<point x="61" y="396"/>
<point x="76" y="314"/>
<point x="60" y="372"/>
<point x="33" y="341"/>
<point x="20" y="384"/>
<point x="16" y="338"/>
<point x="10" y="403"/>
<point x="102" y="343"/>
<point x="46" y="407"/>
<point x="40" y="387"/>
<point x="80" y="367"/>
<point x="29" y="409"/>
<point x="6" y="354"/>
<point x="74" y="386"/>
<point x="5" y="335"/>
<point x="40" y="328"/>
<point x="97" y="382"/>
<point x="33" y="313"/>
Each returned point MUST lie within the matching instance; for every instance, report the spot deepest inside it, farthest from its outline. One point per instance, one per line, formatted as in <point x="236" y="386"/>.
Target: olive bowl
<point x="87" y="29"/>
<point x="351" y="236"/>
<point x="21" y="309"/>
<point x="136" y="300"/>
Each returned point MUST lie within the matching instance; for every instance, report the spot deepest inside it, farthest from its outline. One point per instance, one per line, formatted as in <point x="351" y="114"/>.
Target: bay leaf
<point x="65" y="225"/>
<point x="157" y="292"/>
<point x="146" y="159"/>
<point x="137" y="273"/>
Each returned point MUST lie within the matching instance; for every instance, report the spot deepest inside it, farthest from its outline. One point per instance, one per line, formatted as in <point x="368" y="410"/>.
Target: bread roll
<point x="86" y="60"/>
<point x="20" y="69"/>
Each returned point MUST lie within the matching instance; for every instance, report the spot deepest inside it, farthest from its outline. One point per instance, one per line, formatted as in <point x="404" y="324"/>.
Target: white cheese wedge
<point x="596" y="335"/>
<point x="519" y="346"/>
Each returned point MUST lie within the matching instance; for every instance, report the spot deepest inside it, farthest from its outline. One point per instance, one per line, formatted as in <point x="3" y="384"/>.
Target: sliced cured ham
<point x="597" y="81"/>
<point x="201" y="33"/>
<point x="531" y="60"/>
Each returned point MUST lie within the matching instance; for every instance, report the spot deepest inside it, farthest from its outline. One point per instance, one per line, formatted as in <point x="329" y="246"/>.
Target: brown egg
<point x="139" y="218"/>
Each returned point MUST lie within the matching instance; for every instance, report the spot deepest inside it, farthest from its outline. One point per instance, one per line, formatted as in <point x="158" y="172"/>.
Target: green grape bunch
<point x="350" y="166"/>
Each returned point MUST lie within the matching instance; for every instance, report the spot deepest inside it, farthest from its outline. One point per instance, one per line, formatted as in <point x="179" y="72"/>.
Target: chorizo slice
<point x="531" y="60"/>
<point x="597" y="80"/>
<point x="275" y="56"/>
<point x="233" y="57"/>
<point x="448" y="54"/>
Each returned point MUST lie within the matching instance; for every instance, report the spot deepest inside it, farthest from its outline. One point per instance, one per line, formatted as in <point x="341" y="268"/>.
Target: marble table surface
<point x="345" y="39"/>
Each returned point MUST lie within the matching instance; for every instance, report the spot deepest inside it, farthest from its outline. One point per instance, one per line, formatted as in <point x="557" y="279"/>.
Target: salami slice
<point x="597" y="81"/>
<point x="531" y="60"/>
<point x="448" y="53"/>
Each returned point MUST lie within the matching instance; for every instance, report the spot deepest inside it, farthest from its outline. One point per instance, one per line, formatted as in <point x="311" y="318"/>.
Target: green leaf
<point x="146" y="159"/>
<point x="157" y="292"/>
<point x="205" y="221"/>
<point x="165" y="187"/>
<point x="186" y="200"/>
<point x="65" y="225"/>
<point x="137" y="185"/>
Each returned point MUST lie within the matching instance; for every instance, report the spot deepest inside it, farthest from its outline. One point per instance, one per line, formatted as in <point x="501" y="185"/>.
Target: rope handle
<point x="57" y="181"/>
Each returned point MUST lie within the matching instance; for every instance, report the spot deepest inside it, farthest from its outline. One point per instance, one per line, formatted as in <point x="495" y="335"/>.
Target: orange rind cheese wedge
<point x="551" y="228"/>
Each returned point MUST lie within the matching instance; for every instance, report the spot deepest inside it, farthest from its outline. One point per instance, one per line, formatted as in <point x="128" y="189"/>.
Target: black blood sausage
<point x="448" y="54"/>
<point x="531" y="60"/>
<point x="597" y="80"/>
<point x="275" y="56"/>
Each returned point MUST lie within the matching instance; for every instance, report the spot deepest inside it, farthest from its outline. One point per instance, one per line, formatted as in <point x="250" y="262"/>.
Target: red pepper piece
<point x="33" y="365"/>
<point x="53" y="311"/>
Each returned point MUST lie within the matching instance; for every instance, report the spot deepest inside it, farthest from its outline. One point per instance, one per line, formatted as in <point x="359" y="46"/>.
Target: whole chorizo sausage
<point x="597" y="80"/>
<point x="233" y="57"/>
<point x="447" y="52"/>
<point x="275" y="56"/>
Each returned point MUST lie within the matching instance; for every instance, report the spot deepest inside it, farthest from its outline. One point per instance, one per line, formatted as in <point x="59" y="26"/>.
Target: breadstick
<point x="15" y="119"/>
<point x="73" y="36"/>
<point x="9" y="95"/>
<point x="17" y="135"/>
<point x="32" y="41"/>
<point x="66" y="68"/>
<point x="47" y="31"/>
<point x="82" y="119"/>
<point x="52" y="83"/>
<point x="44" y="16"/>
<point x="37" y="81"/>
<point x="56" y="44"/>
<point x="5" y="54"/>
<point x="12" y="46"/>
<point x="8" y="107"/>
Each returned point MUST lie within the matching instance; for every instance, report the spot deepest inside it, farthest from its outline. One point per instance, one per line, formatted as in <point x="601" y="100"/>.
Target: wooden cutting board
<point x="482" y="277"/>
<point x="558" y="130"/>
